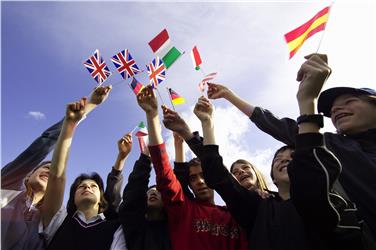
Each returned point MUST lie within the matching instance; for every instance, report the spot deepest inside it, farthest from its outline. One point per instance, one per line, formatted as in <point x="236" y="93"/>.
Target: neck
<point x="284" y="191"/>
<point x="155" y="214"/>
<point x="89" y="211"/>
<point x="37" y="197"/>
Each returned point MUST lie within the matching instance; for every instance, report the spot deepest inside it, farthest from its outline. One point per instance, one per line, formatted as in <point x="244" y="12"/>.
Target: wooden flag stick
<point x="169" y="94"/>
<point x="160" y="96"/>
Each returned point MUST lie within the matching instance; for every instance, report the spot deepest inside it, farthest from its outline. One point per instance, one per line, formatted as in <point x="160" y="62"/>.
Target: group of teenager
<point x="325" y="196"/>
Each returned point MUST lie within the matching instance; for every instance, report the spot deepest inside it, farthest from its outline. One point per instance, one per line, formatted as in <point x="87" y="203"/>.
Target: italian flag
<point x="142" y="131"/>
<point x="162" y="47"/>
<point x="196" y="59"/>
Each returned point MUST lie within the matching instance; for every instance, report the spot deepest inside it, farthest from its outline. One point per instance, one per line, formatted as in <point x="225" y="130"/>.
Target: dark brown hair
<point x="103" y="204"/>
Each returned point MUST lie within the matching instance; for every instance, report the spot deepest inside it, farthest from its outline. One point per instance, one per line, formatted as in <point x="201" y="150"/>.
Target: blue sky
<point x="43" y="46"/>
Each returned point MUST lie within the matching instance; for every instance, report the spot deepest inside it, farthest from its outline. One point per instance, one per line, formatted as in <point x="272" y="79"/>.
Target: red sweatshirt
<point x="194" y="224"/>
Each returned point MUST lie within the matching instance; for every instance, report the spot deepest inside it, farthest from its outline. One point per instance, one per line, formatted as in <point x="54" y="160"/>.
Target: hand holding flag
<point x="207" y="78"/>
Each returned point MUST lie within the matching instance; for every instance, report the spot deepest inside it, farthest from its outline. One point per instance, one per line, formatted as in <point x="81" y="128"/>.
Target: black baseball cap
<point x="328" y="96"/>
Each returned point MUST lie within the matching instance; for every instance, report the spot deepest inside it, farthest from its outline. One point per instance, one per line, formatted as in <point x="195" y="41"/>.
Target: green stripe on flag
<point x="171" y="57"/>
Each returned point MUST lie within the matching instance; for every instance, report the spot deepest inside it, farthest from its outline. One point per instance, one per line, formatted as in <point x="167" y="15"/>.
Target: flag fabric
<point x="97" y="67"/>
<point x="136" y="86"/>
<point x="125" y="64"/>
<point x="176" y="99"/>
<point x="207" y="78"/>
<point x="162" y="47"/>
<point x="142" y="131"/>
<point x="156" y="71"/>
<point x="196" y="59"/>
<point x="296" y="37"/>
<point x="142" y="143"/>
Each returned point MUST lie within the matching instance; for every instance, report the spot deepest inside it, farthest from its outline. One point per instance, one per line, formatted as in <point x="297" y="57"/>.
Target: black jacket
<point x="357" y="154"/>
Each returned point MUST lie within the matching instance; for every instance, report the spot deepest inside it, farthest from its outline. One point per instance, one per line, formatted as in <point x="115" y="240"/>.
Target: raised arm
<point x="115" y="178"/>
<point x="216" y="91"/>
<point x="174" y="122"/>
<point x="13" y="174"/>
<point x="242" y="203"/>
<point x="283" y="130"/>
<point x="54" y="195"/>
<point x="167" y="183"/>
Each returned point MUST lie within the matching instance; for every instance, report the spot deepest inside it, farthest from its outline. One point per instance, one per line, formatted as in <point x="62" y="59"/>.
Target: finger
<point x="323" y="57"/>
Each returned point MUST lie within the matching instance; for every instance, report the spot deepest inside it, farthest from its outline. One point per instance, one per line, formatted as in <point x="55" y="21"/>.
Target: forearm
<point x="119" y="163"/>
<point x="179" y="151"/>
<point x="241" y="104"/>
<point x="307" y="107"/>
<point x="208" y="131"/>
<point x="13" y="173"/>
<point x="154" y="129"/>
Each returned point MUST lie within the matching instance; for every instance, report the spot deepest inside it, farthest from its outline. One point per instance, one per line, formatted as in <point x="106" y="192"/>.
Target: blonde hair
<point x="261" y="182"/>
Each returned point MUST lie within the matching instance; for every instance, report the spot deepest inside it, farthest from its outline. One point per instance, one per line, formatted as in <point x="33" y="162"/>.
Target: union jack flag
<point x="156" y="71"/>
<point x="97" y="67"/>
<point x="125" y="64"/>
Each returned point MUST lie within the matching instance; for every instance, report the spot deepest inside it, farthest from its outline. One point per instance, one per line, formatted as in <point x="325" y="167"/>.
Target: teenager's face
<point x="351" y="114"/>
<point x="154" y="199"/>
<point x="38" y="180"/>
<point x="198" y="185"/>
<point x="87" y="192"/>
<point x="245" y="174"/>
<point x="280" y="163"/>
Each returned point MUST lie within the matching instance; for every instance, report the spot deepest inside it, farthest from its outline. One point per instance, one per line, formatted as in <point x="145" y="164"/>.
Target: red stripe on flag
<point x="159" y="40"/>
<point x="196" y="55"/>
<point x="311" y="33"/>
<point x="292" y="35"/>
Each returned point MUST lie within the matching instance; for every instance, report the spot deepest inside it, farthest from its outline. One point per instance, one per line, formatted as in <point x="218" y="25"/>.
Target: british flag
<point x="125" y="64"/>
<point x="97" y="67"/>
<point x="156" y="71"/>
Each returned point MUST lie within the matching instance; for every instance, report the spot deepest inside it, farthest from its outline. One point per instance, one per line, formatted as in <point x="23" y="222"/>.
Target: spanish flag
<point x="296" y="38"/>
<point x="176" y="98"/>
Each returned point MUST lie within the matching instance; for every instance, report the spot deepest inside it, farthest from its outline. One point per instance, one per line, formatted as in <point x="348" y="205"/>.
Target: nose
<point x="335" y="108"/>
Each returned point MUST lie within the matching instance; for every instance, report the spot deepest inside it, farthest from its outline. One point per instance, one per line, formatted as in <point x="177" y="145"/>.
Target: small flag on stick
<point x="176" y="99"/>
<point x="136" y="86"/>
<point x="142" y="130"/>
<point x="206" y="79"/>
<point x="196" y="59"/>
<point x="296" y="37"/>
<point x="162" y="47"/>
<point x="125" y="64"/>
<point x="97" y="67"/>
<point x="156" y="71"/>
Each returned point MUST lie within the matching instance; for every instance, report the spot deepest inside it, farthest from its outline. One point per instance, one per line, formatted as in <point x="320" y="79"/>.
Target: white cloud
<point x="36" y="115"/>
<point x="232" y="130"/>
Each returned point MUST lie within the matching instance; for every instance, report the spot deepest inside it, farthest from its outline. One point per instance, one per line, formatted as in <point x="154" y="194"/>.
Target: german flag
<point x="175" y="97"/>
<point x="296" y="38"/>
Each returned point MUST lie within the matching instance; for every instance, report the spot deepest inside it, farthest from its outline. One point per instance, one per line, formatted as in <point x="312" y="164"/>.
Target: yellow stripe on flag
<point x="298" y="42"/>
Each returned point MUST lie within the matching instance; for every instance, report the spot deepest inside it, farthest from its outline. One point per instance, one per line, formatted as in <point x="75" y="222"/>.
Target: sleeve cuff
<point x="255" y="114"/>
<point x="144" y="159"/>
<point x="309" y="140"/>
<point x="115" y="172"/>
<point x="211" y="150"/>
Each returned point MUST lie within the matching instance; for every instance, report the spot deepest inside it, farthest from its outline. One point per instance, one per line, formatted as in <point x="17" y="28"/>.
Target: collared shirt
<point x="118" y="241"/>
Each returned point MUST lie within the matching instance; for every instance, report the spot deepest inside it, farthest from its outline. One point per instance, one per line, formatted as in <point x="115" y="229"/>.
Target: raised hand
<point x="173" y="122"/>
<point x="216" y="91"/>
<point x="100" y="94"/>
<point x="125" y="145"/>
<point x="312" y="75"/>
<point x="177" y="138"/>
<point x="147" y="100"/>
<point x="75" y="110"/>
<point x="203" y="109"/>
